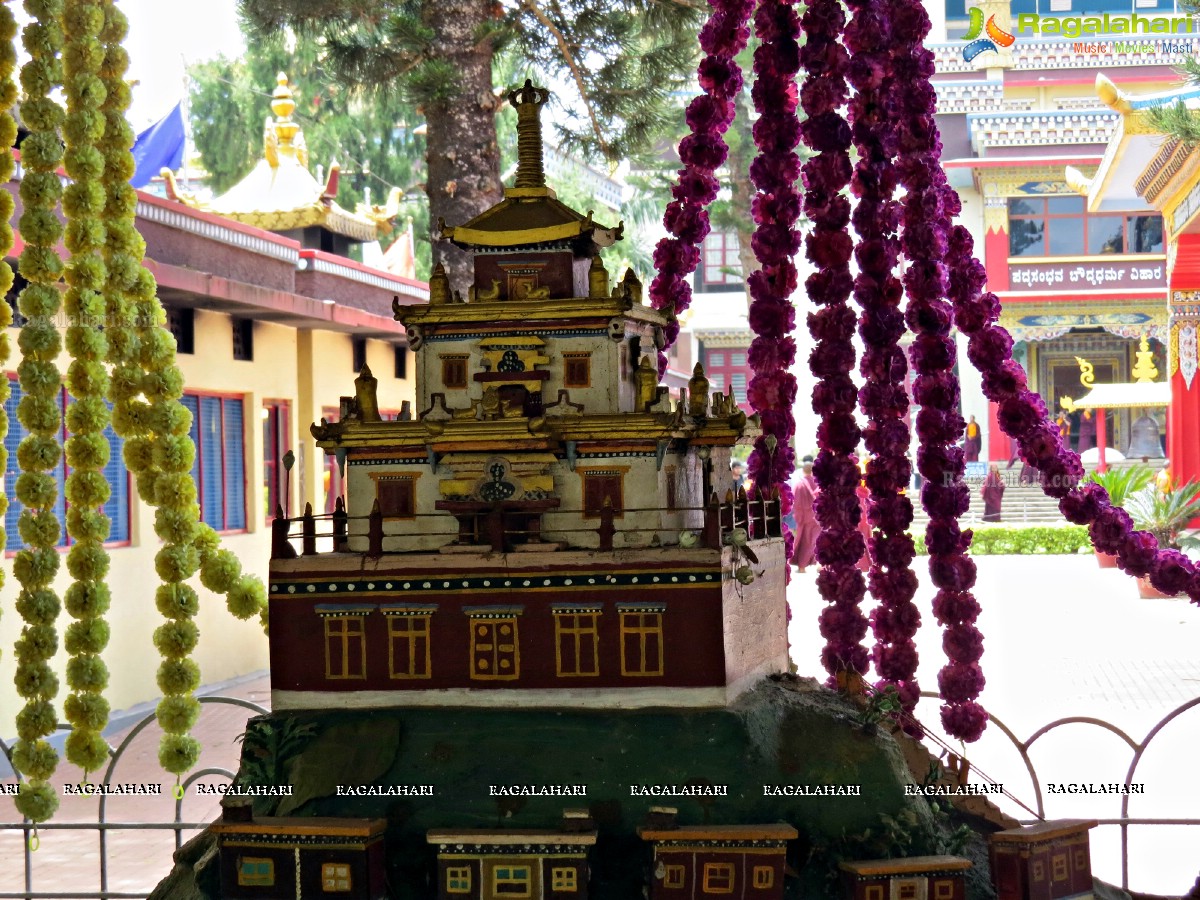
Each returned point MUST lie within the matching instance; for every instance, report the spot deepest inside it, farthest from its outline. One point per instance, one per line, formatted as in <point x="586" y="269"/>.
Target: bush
<point x="993" y="540"/>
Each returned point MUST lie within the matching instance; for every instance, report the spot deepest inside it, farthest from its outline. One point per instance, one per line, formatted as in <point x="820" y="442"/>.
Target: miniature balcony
<point x="505" y="527"/>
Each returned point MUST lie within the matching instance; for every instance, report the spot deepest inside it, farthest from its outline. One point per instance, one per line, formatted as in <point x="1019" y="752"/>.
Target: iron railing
<point x="102" y="827"/>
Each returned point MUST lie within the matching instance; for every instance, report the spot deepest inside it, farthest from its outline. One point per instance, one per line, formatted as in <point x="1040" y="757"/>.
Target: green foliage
<point x="879" y="706"/>
<point x="994" y="540"/>
<point x="1122" y="483"/>
<point x="1166" y="514"/>
<point x="268" y="748"/>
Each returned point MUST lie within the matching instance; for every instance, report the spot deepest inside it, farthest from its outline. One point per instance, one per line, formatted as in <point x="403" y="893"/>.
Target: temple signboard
<point x="1106" y="274"/>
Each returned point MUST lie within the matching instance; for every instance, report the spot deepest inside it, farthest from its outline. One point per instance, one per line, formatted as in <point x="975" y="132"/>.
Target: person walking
<point x="993" y="494"/>
<point x="807" y="529"/>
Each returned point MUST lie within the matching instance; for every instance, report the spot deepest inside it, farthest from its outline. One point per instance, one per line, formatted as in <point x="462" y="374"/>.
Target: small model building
<point x="915" y="878"/>
<point x="477" y="864"/>
<point x="1047" y="861"/>
<point x="551" y="528"/>
<point x="334" y="858"/>
<point x="739" y="861"/>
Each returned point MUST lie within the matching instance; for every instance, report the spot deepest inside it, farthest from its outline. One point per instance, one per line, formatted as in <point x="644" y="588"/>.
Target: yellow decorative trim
<point x="1100" y="260"/>
<point x="1173" y="352"/>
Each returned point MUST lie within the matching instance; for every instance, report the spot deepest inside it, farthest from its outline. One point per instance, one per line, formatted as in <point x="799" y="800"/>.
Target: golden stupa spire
<point x="528" y="102"/>
<point x="282" y="136"/>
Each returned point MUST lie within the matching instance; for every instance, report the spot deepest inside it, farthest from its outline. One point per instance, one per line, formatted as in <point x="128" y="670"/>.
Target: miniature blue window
<point x="117" y="506"/>
<point x="254" y="871"/>
<point x="458" y="880"/>
<point x="512" y="881"/>
<point x="220" y="465"/>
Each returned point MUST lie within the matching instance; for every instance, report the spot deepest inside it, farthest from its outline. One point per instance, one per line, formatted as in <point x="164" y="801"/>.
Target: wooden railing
<point x="759" y="517"/>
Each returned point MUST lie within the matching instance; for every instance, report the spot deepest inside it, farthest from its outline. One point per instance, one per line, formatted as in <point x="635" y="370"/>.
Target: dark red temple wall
<point x="693" y="653"/>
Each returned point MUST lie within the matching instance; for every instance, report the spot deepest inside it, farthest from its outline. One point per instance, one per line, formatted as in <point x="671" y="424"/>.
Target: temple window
<point x="600" y="485"/>
<point x="641" y="639"/>
<point x="577" y="639"/>
<point x="181" y="322"/>
<point x="906" y="890"/>
<point x="408" y="641"/>
<point x="243" y="339"/>
<point x="277" y="441"/>
<point x="673" y="876"/>
<point x="577" y="370"/>
<point x="1081" y="859"/>
<point x="764" y="877"/>
<point x="335" y="878"/>
<point x="358" y="354"/>
<point x="219" y="468"/>
<point x="1058" y="867"/>
<point x="722" y="262"/>
<point x="397" y="496"/>
<point x="943" y="889"/>
<point x="564" y="879"/>
<point x="1039" y="870"/>
<point x="458" y="880"/>
<point x="495" y="643"/>
<point x="873" y="892"/>
<point x="401" y="362"/>
<point x="255" y="871"/>
<point x="1060" y="226"/>
<point x="718" y="878"/>
<point x="512" y="881"/>
<point x="345" y="643"/>
<point x="454" y="371"/>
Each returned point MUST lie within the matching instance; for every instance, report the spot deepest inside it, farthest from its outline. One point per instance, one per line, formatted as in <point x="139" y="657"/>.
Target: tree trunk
<point x="741" y="154"/>
<point x="462" y="158"/>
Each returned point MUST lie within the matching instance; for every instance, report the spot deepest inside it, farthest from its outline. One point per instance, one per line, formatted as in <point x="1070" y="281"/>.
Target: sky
<point x="162" y="43"/>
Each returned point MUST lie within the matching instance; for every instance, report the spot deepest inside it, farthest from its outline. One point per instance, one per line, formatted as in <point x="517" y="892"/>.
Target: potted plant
<point x="1166" y="514"/>
<point x="1121" y="484"/>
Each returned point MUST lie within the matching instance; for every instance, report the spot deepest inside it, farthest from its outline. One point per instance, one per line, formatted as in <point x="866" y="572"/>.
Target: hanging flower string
<point x="883" y="366"/>
<point x="702" y="152"/>
<point x="8" y="137"/>
<point x="776" y="240"/>
<point x="928" y="210"/>
<point x="828" y="246"/>
<point x="40" y="411"/>
<point x="87" y="450"/>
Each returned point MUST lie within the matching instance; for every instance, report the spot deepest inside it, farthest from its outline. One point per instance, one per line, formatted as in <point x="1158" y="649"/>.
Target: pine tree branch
<point x="572" y="64"/>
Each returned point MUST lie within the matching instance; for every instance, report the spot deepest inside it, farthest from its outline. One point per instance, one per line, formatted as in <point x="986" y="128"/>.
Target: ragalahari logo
<point x="996" y="38"/>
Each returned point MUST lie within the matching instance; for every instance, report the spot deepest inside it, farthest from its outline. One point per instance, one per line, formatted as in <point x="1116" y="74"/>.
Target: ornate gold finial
<point x="1111" y="95"/>
<point x="698" y="393"/>
<point x="597" y="279"/>
<point x="647" y="384"/>
<point x="439" y="286"/>
<point x="528" y="102"/>
<point x="634" y="286"/>
<point x="1144" y="370"/>
<point x="365" y="386"/>
<point x="1087" y="372"/>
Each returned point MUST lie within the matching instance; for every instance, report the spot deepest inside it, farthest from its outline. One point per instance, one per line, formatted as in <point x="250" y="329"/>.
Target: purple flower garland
<point x="702" y="152"/>
<point x="929" y="207"/>
<point x="883" y="366"/>
<point x="828" y="246"/>
<point x="776" y="240"/>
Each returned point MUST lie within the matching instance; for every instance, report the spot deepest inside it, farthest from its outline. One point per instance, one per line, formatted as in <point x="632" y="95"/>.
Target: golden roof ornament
<point x="528" y="102"/>
<point x="280" y="194"/>
<point x="1144" y="369"/>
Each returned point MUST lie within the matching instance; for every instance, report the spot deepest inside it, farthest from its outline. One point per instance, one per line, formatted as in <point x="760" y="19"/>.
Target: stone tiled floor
<point x="1064" y="638"/>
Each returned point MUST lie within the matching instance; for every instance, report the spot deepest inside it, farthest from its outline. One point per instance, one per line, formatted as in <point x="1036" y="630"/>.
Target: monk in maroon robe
<point x="974" y="441"/>
<point x="993" y="494"/>
<point x="807" y="528"/>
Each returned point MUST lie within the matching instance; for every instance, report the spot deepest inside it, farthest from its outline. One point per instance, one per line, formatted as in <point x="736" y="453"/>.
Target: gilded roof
<point x="280" y="194"/>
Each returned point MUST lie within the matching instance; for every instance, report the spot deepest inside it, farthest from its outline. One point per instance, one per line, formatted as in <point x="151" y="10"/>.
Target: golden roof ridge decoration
<point x="530" y="213"/>
<point x="281" y="194"/>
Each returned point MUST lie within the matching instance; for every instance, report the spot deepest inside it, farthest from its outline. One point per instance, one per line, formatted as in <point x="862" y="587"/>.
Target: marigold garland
<point x="702" y="152"/>
<point x="87" y="489"/>
<point x="883" y="365"/>
<point x="40" y="452"/>
<point x="8" y="137"/>
<point x="776" y="240"/>
<point x="829" y="246"/>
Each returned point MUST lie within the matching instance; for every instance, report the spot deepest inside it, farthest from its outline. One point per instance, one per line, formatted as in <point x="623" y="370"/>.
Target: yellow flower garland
<point x="87" y="489"/>
<point x="39" y="411"/>
<point x="146" y="388"/>
<point x="8" y="137"/>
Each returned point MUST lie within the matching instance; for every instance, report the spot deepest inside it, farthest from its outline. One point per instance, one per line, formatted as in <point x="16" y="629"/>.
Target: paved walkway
<point x="1063" y="638"/>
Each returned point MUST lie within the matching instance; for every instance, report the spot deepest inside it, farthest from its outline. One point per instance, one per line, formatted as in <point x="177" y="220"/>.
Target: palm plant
<point x="1166" y="514"/>
<point x="1124" y="482"/>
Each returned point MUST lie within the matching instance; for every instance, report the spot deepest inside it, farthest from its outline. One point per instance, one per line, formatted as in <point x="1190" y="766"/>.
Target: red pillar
<point x="1102" y="437"/>
<point x="1183" y="430"/>
<point x="998" y="442"/>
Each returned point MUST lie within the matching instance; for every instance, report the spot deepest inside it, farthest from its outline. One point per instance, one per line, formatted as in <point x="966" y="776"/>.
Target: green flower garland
<point x="87" y="489"/>
<point x="39" y="411"/>
<point x="8" y="137"/>
<point x="146" y="388"/>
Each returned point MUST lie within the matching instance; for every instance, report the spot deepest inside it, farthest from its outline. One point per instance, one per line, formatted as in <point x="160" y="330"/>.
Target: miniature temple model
<point x="550" y="527"/>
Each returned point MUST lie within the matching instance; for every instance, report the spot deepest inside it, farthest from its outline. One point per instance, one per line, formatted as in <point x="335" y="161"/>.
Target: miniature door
<point x="494" y="655"/>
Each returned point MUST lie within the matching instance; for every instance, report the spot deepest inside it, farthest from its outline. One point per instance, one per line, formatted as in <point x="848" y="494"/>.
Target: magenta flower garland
<point x="702" y="152"/>
<point x="883" y="366"/>
<point x="776" y="240"/>
<point x="929" y="206"/>
<point x="828" y="246"/>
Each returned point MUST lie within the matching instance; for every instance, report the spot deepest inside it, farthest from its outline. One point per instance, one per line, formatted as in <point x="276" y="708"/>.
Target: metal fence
<point x="102" y="827"/>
